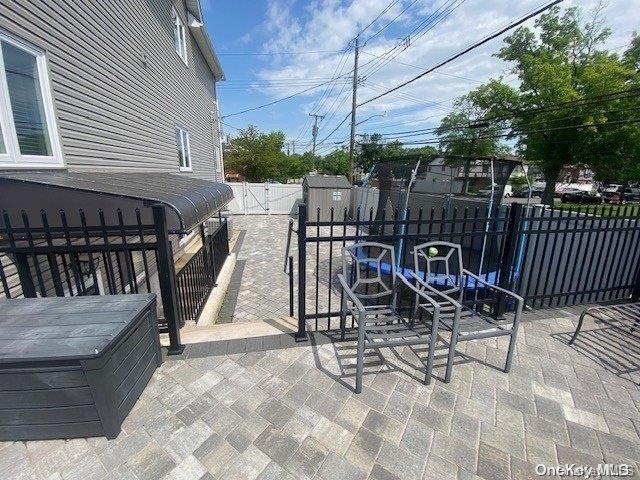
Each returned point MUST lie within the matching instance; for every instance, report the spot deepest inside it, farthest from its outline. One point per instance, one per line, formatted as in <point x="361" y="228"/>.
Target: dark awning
<point x="190" y="200"/>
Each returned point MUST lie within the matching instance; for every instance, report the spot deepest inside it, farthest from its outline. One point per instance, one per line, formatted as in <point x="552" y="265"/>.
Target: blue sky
<point x="440" y="28"/>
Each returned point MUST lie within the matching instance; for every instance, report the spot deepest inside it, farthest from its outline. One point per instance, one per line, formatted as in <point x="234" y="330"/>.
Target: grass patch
<point x="603" y="210"/>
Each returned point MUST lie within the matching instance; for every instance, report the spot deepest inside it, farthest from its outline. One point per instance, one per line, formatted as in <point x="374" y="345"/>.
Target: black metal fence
<point x="550" y="256"/>
<point x="199" y="275"/>
<point x="67" y="256"/>
<point x="574" y="256"/>
<point x="107" y="253"/>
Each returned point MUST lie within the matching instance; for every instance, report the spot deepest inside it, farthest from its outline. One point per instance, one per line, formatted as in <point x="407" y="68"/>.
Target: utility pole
<point x="354" y="101"/>
<point x="314" y="130"/>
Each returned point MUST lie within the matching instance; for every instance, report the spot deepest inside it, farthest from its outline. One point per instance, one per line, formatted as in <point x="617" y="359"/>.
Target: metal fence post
<point x="636" y="290"/>
<point x="24" y="273"/>
<point x="291" y="285"/>
<point x="301" y="334"/>
<point x="508" y="256"/>
<point x="167" y="280"/>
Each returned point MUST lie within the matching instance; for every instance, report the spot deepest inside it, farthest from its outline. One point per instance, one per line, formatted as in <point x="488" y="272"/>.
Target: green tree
<point x="564" y="63"/>
<point x="257" y="156"/>
<point x="296" y="165"/>
<point x="560" y="62"/>
<point x="460" y="134"/>
<point x="334" y="163"/>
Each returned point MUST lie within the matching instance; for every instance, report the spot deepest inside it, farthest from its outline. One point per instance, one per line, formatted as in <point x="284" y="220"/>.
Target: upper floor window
<point x="184" y="149"/>
<point x="179" y="36"/>
<point x="28" y="136"/>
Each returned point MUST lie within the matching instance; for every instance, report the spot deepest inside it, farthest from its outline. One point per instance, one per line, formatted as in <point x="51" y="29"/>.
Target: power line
<point x="305" y="52"/>
<point x="421" y="68"/>
<point x="426" y="25"/>
<point x="334" y="130"/>
<point x="516" y="132"/>
<point x="617" y="95"/>
<point x="466" y="50"/>
<point x="385" y="10"/>
<point x="391" y="22"/>
<point x="276" y="101"/>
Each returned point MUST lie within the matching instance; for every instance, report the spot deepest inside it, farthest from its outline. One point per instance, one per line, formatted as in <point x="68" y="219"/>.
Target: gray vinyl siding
<point x="118" y="85"/>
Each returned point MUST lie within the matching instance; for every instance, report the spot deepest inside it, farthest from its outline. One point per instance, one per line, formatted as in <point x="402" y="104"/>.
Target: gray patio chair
<point x="617" y="316"/>
<point x="371" y="286"/>
<point x="447" y="286"/>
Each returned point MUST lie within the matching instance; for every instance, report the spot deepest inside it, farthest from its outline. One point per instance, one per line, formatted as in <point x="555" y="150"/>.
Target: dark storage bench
<point x="74" y="366"/>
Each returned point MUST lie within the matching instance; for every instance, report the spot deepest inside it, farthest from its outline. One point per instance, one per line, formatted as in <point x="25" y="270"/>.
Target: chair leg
<point x="580" y="320"/>
<point x="343" y="316"/>
<point x="452" y="351"/>
<point x="360" y="359"/>
<point x="512" y="347"/>
<point x="432" y="348"/>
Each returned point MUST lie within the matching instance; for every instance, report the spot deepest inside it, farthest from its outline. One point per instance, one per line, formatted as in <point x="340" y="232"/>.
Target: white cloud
<point x="331" y="24"/>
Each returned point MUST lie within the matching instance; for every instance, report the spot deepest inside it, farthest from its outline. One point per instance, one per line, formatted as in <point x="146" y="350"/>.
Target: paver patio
<point x="269" y="408"/>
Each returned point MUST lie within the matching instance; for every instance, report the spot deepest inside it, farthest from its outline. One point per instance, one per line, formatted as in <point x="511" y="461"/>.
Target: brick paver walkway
<point x="259" y="288"/>
<point x="268" y="408"/>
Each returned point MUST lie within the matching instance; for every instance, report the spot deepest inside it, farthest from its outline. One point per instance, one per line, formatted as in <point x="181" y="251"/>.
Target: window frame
<point x="188" y="166"/>
<point x="182" y="33"/>
<point x="13" y="158"/>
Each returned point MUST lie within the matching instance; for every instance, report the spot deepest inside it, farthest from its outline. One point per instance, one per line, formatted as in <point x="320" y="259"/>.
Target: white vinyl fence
<point x="265" y="198"/>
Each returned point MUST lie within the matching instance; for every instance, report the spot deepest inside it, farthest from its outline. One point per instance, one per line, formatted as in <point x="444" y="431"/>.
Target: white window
<point x="184" y="150"/>
<point x="179" y="36"/>
<point x="28" y="135"/>
<point x="337" y="196"/>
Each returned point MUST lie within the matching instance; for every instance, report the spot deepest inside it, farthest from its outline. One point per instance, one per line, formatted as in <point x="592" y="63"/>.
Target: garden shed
<point x="324" y="192"/>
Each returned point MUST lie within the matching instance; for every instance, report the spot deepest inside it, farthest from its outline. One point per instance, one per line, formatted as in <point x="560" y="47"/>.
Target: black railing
<point x="66" y="256"/>
<point x="98" y="252"/>
<point x="197" y="278"/>
<point x="551" y="257"/>
<point x="576" y="256"/>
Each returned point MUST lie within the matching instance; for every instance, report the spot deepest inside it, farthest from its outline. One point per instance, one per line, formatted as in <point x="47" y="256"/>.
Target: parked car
<point x="581" y="196"/>
<point x="524" y="193"/>
<point x="612" y="191"/>
<point x="562" y="190"/>
<point x="618" y="195"/>
<point x="486" y="192"/>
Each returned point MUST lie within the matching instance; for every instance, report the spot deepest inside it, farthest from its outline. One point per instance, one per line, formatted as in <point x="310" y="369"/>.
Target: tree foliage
<point x="371" y="150"/>
<point x="559" y="62"/>
<point x="334" y="163"/>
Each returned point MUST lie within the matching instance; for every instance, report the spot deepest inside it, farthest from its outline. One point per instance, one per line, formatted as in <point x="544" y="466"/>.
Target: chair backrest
<point x="439" y="264"/>
<point x="370" y="269"/>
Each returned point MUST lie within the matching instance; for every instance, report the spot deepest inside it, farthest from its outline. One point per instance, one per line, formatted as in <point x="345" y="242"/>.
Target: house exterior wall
<point x="119" y="87"/>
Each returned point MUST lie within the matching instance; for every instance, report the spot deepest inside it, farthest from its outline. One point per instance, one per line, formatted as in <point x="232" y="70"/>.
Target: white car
<point x="486" y="192"/>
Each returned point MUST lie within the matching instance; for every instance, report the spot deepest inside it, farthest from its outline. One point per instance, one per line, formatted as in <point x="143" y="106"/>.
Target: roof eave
<point x="195" y="8"/>
<point x="206" y="47"/>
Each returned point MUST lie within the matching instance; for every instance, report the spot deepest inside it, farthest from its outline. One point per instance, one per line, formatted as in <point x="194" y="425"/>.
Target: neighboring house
<point x="100" y="86"/>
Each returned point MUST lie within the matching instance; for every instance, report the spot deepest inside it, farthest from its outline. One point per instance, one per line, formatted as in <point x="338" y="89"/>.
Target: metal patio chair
<point x="371" y="287"/>
<point x="623" y="316"/>
<point x="448" y="288"/>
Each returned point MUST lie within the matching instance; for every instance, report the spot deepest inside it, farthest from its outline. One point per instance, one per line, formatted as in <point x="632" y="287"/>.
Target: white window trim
<point x="189" y="167"/>
<point x="13" y="158"/>
<point x="177" y="21"/>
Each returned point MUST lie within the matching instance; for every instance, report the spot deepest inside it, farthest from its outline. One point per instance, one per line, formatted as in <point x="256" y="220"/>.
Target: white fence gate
<point x="265" y="198"/>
